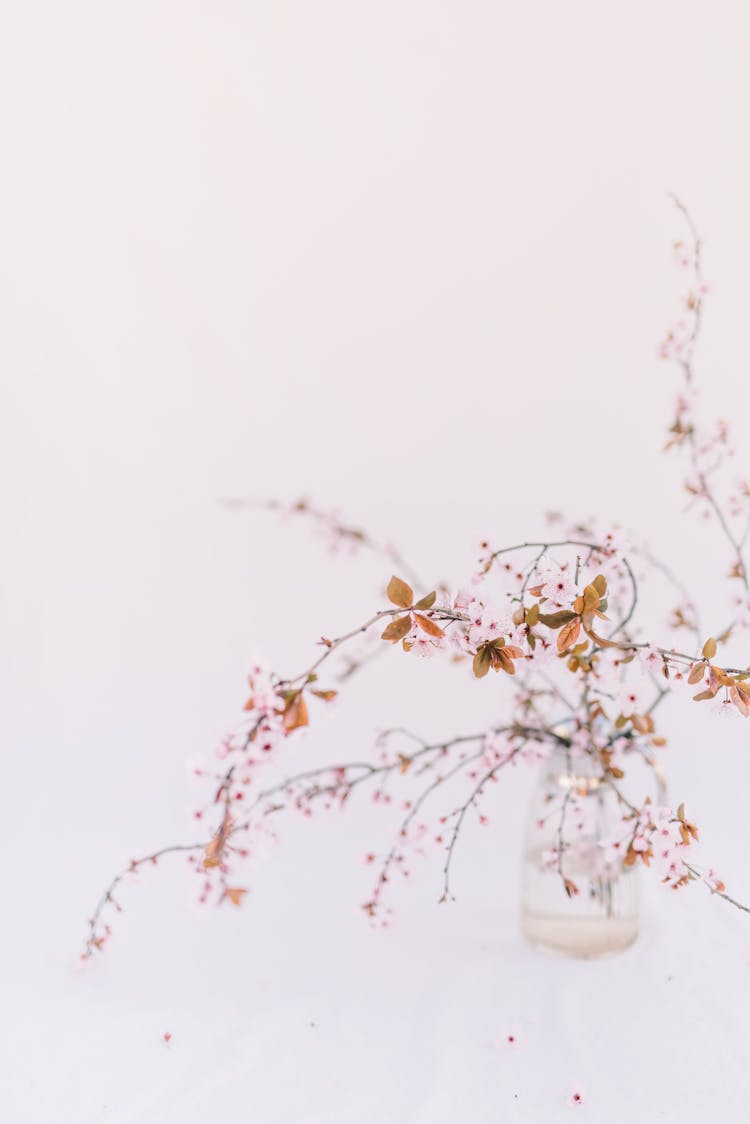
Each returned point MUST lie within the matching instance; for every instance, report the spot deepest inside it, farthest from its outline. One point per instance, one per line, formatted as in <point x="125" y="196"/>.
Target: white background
<point x="412" y="259"/>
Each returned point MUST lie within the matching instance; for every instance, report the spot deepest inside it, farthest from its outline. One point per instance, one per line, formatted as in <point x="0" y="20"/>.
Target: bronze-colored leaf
<point x="532" y="614"/>
<point x="505" y="662"/>
<point x="295" y="713"/>
<point x="400" y="593"/>
<point x="568" y="635"/>
<point x="234" y="894"/>
<point x="326" y="696"/>
<point x="744" y="691"/>
<point x="556" y="620"/>
<point x="214" y="851"/>
<point x="703" y="695"/>
<point x="426" y="602"/>
<point x="591" y="597"/>
<point x="709" y="649"/>
<point x="397" y="629"/>
<point x="741" y="699"/>
<point x="600" y="584"/>
<point x="428" y="625"/>
<point x="697" y="671"/>
<point x="601" y="640"/>
<point x="482" y="661"/>
<point x="514" y="652"/>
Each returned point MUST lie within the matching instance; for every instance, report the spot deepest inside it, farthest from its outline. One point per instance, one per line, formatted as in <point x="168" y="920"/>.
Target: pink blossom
<point x="651" y="661"/>
<point x="423" y="646"/>
<point x="487" y="623"/>
<point x="558" y="584"/>
<point x="629" y="701"/>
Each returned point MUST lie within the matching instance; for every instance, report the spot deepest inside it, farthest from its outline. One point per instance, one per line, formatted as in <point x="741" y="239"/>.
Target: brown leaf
<point x="428" y="626"/>
<point x="504" y="661"/>
<point x="741" y="699"/>
<point x="532" y="615"/>
<point x="719" y="675"/>
<point x="703" y="695"/>
<point x="235" y="894"/>
<point x="744" y="691"/>
<point x="591" y="598"/>
<point x="697" y="671"/>
<point x="600" y="584"/>
<point x="426" y="602"/>
<point x="326" y="696"/>
<point x="397" y="629"/>
<point x="514" y="652"/>
<point x="709" y="649"/>
<point x="215" y="849"/>
<point x="295" y="713"/>
<point x="400" y="593"/>
<point x="482" y="661"/>
<point x="568" y="635"/>
<point x="555" y="620"/>
<point x="601" y="640"/>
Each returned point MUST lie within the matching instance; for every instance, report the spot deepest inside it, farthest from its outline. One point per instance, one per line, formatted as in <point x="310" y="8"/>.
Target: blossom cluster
<point x="558" y="619"/>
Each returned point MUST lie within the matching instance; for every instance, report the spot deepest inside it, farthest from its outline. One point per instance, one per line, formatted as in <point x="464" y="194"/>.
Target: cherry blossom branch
<point x="685" y="360"/>
<point x="715" y="889"/>
<point x="471" y="801"/>
<point x="96" y="936"/>
<point x="551" y="612"/>
<point x="715" y="886"/>
<point x="338" y="530"/>
<point x="332" y="646"/>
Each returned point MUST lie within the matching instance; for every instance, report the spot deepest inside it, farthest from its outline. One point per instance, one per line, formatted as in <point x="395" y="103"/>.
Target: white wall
<point x="402" y="257"/>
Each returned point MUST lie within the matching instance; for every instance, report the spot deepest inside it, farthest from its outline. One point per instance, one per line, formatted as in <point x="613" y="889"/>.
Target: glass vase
<point x="577" y="897"/>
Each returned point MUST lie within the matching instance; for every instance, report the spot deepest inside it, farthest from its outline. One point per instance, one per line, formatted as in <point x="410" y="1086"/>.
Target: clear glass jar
<point x="577" y="897"/>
